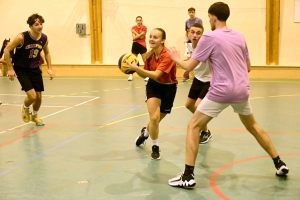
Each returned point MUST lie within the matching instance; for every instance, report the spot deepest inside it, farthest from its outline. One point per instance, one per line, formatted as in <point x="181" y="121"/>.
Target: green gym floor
<point x="87" y="148"/>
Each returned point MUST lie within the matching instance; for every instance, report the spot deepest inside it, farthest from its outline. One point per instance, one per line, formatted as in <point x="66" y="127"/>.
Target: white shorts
<point x="213" y="109"/>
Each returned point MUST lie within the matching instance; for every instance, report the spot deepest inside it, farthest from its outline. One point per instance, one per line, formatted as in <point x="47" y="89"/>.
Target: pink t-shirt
<point x="227" y="53"/>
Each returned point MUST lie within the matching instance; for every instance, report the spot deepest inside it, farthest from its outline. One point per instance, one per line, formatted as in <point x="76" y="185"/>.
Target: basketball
<point x="131" y="58"/>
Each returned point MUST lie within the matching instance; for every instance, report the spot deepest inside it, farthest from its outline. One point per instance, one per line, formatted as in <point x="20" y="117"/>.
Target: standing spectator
<point x="193" y="19"/>
<point x="139" y="40"/>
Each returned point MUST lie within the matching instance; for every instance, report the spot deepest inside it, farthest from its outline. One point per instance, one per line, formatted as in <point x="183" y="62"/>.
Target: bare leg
<point x="191" y="105"/>
<point x="38" y="101"/>
<point x="153" y="105"/>
<point x="144" y="57"/>
<point x="31" y="97"/>
<point x="260" y="135"/>
<point x="198" y="122"/>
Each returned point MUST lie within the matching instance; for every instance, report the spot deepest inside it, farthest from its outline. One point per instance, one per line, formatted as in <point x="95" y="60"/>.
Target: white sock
<point x="155" y="142"/>
<point x="34" y="112"/>
<point x="146" y="133"/>
<point x="26" y="106"/>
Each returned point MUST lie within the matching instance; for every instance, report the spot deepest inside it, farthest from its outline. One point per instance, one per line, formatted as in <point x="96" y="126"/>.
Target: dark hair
<point x="220" y="10"/>
<point x="197" y="25"/>
<point x="32" y="18"/>
<point x="191" y="9"/>
<point x="138" y="17"/>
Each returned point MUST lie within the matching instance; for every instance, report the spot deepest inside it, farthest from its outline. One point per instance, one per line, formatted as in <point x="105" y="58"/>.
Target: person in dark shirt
<point x="25" y="65"/>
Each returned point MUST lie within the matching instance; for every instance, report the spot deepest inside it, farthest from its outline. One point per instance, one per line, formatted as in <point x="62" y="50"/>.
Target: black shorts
<point x="30" y="78"/>
<point x="165" y="92"/>
<point x="137" y="48"/>
<point x="198" y="89"/>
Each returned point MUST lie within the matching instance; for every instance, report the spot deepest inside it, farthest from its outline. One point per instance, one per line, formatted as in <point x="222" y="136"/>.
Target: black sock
<point x="277" y="162"/>
<point x="189" y="170"/>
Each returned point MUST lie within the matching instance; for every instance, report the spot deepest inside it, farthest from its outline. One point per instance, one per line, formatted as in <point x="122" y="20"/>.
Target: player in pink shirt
<point x="228" y="57"/>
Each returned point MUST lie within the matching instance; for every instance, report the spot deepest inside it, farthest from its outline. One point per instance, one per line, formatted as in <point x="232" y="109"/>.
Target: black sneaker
<point x="182" y="180"/>
<point x="141" y="139"/>
<point x="155" y="152"/>
<point x="282" y="169"/>
<point x="205" y="137"/>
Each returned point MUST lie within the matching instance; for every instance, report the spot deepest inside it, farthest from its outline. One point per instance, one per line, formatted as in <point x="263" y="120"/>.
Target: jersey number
<point x="33" y="53"/>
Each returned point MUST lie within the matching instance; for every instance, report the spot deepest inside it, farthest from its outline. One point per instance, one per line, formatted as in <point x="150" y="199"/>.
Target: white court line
<point x="53" y="113"/>
<point x="47" y="95"/>
<point x="87" y="101"/>
<point x="43" y="106"/>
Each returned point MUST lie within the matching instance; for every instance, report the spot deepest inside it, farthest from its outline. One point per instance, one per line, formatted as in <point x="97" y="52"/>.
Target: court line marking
<point x="51" y="114"/>
<point x="56" y="147"/>
<point x="213" y="177"/>
<point x="72" y="139"/>
<point x="26" y="135"/>
<point x="49" y="95"/>
<point x="7" y="104"/>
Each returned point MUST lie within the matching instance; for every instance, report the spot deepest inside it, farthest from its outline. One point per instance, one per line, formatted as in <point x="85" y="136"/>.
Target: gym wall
<point x="118" y="16"/>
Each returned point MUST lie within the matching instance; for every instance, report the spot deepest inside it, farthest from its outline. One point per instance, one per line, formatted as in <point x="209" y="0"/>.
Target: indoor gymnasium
<point x="97" y="99"/>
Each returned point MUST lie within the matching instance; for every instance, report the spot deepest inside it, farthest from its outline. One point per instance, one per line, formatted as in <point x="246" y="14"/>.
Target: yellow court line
<point x="276" y="96"/>
<point x="121" y="120"/>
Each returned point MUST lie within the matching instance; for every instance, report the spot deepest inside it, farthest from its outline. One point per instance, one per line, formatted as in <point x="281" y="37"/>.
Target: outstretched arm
<point x="188" y="65"/>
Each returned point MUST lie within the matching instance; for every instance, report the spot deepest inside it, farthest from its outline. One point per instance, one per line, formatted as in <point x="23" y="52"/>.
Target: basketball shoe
<point x="205" y="136"/>
<point x="25" y="114"/>
<point x="155" y="152"/>
<point x="281" y="168"/>
<point x="181" y="180"/>
<point x="142" y="138"/>
<point x="37" y="120"/>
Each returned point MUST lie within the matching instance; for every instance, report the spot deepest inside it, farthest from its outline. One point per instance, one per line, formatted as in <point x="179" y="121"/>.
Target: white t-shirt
<point x="227" y="53"/>
<point x="201" y="71"/>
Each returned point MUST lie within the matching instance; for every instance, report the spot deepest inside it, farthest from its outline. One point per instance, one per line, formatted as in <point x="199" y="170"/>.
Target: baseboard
<point x="257" y="72"/>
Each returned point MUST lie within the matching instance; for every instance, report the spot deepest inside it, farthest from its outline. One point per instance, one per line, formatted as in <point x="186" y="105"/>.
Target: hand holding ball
<point x="130" y="58"/>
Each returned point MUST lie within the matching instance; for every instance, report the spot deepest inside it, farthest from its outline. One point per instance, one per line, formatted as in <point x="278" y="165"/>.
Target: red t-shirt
<point x="163" y="63"/>
<point x="139" y="30"/>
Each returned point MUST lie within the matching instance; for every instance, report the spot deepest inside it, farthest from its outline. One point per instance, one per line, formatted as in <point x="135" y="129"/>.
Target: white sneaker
<point x="183" y="181"/>
<point x="146" y="79"/>
<point x="130" y="77"/>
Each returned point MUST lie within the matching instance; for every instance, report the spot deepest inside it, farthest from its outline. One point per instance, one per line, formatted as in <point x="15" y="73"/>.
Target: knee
<point x="190" y="107"/>
<point x="154" y="120"/>
<point x="192" y="126"/>
<point x="32" y="97"/>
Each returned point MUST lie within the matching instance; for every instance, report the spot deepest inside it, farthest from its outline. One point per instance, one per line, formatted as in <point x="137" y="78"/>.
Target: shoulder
<point x="44" y="36"/>
<point x="164" y="54"/>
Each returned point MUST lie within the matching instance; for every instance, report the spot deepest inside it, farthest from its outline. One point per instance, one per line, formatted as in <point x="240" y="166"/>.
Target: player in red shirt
<point x="139" y="40"/>
<point x="160" y="89"/>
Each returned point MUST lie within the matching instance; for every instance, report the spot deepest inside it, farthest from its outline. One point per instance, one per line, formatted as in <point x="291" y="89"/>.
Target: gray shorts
<point x="213" y="109"/>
